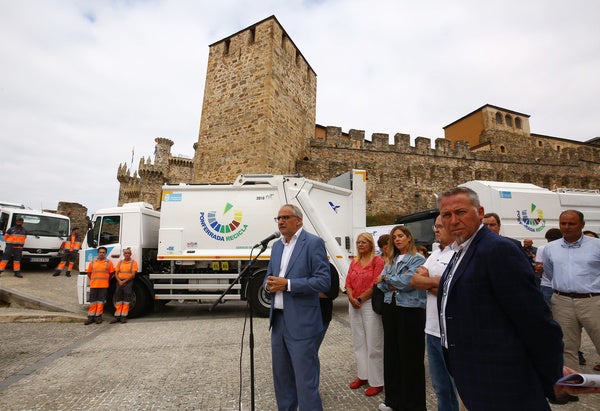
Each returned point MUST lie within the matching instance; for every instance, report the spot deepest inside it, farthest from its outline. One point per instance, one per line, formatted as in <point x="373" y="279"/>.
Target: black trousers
<point x="404" y="357"/>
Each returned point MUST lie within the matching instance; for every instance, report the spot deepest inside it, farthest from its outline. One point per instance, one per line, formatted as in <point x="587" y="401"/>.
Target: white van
<point x="45" y="233"/>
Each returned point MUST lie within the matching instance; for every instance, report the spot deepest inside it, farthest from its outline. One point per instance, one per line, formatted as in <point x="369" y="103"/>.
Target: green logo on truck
<point x="224" y="226"/>
<point x="536" y="222"/>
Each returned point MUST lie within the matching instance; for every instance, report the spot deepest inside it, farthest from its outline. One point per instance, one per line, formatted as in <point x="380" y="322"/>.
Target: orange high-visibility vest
<point x="16" y="236"/>
<point x="99" y="273"/>
<point x="126" y="269"/>
<point x="74" y="243"/>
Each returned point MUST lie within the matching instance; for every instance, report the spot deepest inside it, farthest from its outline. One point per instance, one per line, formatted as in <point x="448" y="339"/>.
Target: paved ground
<point x="184" y="358"/>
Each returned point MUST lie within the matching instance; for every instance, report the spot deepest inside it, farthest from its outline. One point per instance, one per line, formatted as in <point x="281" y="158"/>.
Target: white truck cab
<point x="45" y="232"/>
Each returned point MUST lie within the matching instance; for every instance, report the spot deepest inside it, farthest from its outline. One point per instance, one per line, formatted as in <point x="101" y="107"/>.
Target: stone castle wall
<point x="403" y="178"/>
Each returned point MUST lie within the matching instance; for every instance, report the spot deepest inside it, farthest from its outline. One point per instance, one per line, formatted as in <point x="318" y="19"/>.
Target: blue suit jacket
<point x="308" y="272"/>
<point x="504" y="349"/>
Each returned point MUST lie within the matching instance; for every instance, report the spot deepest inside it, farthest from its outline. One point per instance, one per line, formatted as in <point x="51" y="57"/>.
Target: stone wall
<point x="403" y="178"/>
<point x="76" y="213"/>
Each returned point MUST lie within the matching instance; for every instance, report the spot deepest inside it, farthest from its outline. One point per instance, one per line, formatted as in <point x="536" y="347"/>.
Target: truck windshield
<point x="43" y="225"/>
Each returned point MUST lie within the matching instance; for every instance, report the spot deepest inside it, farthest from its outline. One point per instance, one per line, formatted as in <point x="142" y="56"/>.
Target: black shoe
<point x="123" y="320"/>
<point x="564" y="399"/>
<point x="68" y="274"/>
<point x="18" y="274"/>
<point x="582" y="360"/>
<point x="99" y="320"/>
<point x="115" y="320"/>
<point x="89" y="321"/>
<point x="56" y="274"/>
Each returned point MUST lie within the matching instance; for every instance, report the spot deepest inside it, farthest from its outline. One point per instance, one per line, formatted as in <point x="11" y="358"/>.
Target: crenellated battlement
<point x="145" y="184"/>
<point x="498" y="148"/>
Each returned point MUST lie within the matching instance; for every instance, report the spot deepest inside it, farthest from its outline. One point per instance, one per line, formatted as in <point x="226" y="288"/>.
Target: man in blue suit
<point x="501" y="345"/>
<point x="298" y="271"/>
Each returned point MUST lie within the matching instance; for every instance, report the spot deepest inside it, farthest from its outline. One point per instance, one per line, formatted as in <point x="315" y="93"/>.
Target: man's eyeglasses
<point x="283" y="217"/>
<point x="437" y="226"/>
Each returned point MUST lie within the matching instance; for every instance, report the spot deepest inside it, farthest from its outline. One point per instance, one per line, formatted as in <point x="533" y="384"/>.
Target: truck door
<point x="106" y="232"/>
<point x="3" y="228"/>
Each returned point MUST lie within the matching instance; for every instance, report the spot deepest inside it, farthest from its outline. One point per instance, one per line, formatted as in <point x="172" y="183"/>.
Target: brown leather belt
<point x="577" y="295"/>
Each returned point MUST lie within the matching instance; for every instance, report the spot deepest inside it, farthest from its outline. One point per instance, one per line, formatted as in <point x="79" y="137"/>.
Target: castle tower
<point x="258" y="112"/>
<point x="162" y="153"/>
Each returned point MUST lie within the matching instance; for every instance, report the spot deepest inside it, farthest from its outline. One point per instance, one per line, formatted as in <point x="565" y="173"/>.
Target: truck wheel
<point x="140" y="300"/>
<point x="139" y="304"/>
<point x="259" y="299"/>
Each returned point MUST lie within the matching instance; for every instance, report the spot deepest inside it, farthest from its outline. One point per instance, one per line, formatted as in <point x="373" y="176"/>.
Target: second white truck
<point x="201" y="240"/>
<point x="45" y="233"/>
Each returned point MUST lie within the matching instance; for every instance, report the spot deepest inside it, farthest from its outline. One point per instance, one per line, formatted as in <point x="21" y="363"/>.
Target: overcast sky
<point x="84" y="82"/>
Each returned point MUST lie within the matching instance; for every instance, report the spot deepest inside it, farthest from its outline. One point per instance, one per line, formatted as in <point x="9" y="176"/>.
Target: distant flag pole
<point x="132" y="154"/>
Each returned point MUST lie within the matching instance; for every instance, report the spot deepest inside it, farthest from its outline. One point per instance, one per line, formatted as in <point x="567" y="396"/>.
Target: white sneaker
<point x="383" y="407"/>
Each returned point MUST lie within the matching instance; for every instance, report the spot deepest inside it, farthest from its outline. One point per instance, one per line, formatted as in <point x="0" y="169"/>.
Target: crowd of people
<point x="500" y="321"/>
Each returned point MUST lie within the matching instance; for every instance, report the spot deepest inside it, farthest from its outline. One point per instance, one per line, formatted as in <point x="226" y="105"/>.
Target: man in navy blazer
<point x="298" y="271"/>
<point x="501" y="345"/>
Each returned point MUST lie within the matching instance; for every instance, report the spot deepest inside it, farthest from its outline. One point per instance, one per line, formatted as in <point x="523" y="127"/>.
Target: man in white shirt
<point x="427" y="277"/>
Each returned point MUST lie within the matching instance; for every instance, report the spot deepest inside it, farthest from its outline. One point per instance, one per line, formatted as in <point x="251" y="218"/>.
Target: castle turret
<point x="162" y="153"/>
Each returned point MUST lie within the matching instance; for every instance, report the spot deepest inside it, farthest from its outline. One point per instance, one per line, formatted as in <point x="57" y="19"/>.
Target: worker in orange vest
<point x="70" y="250"/>
<point x="124" y="274"/>
<point x="15" y="240"/>
<point x="99" y="272"/>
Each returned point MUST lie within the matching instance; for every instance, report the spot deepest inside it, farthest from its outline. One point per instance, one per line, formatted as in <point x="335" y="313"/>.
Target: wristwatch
<point x="359" y="300"/>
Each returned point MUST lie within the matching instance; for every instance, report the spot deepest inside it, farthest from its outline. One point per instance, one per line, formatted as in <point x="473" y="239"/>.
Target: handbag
<point x="377" y="299"/>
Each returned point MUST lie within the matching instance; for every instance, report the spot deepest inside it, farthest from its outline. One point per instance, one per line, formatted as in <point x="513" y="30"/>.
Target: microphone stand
<point x="239" y="277"/>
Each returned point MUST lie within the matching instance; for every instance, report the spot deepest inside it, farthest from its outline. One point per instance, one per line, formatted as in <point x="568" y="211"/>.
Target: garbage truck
<point x="525" y="210"/>
<point x="204" y="236"/>
<point x="528" y="211"/>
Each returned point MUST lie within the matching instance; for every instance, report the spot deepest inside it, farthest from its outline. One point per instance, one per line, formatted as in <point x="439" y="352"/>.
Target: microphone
<point x="264" y="242"/>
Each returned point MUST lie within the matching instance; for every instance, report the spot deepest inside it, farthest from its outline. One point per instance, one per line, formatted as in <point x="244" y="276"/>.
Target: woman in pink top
<point x="367" y="328"/>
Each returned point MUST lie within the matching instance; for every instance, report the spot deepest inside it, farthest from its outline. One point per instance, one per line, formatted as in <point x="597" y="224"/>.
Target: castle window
<point x="508" y="120"/>
<point x="498" y="118"/>
<point x="558" y="148"/>
<point x="283" y="37"/>
<point x="226" y="48"/>
<point x="540" y="144"/>
<point x="297" y="57"/>
<point x="252" y="35"/>
<point x="503" y="149"/>
<point x="518" y="122"/>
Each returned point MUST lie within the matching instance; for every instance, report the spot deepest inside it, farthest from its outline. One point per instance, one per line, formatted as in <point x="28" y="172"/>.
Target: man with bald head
<point x="573" y="265"/>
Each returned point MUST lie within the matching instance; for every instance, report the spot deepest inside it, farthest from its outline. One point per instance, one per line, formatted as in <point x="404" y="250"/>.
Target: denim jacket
<point x="399" y="274"/>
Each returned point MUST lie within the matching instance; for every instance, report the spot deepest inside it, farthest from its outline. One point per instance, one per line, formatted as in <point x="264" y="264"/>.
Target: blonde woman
<point x="403" y="316"/>
<point x="367" y="328"/>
